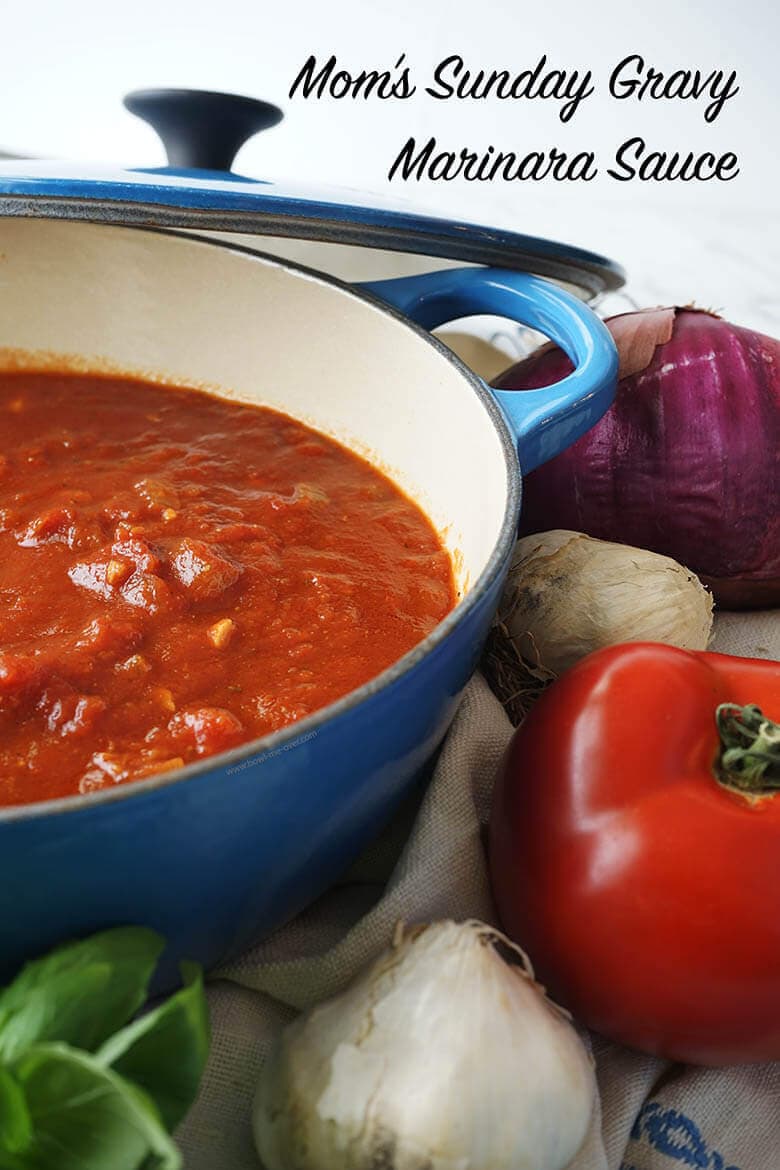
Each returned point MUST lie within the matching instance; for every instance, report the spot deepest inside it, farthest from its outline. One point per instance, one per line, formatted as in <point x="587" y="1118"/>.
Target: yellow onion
<point x="567" y="595"/>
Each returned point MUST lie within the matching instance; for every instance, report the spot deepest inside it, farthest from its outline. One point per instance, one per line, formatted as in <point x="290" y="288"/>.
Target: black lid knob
<point x="200" y="129"/>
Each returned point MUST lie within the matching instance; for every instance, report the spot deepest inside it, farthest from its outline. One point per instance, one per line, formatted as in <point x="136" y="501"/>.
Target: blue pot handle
<point x="544" y="421"/>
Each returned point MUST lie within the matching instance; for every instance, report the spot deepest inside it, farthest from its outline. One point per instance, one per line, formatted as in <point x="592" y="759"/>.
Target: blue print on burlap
<point x="676" y="1136"/>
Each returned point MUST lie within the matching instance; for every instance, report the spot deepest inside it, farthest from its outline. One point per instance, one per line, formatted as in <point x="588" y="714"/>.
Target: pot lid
<point x="202" y="132"/>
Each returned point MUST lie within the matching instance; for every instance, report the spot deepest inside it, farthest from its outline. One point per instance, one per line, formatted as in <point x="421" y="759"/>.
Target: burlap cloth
<point x="430" y="864"/>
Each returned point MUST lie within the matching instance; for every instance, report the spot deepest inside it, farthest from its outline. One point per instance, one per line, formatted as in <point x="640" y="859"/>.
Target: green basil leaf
<point x="79" y="993"/>
<point x="15" y="1124"/>
<point x="165" y="1051"/>
<point x="10" y="1161"/>
<point x="86" y="1117"/>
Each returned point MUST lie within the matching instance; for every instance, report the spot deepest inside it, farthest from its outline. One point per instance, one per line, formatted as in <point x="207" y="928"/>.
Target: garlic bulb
<point x="440" y="1056"/>
<point x="568" y="594"/>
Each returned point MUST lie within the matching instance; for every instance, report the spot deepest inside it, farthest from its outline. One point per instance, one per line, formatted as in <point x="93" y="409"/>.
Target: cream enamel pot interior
<point x="227" y="849"/>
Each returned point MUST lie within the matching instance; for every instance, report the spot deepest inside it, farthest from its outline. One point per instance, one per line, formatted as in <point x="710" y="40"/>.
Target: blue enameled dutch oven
<point x="223" y="851"/>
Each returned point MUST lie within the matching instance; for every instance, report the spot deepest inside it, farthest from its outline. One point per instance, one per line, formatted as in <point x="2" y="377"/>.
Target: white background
<point x="66" y="67"/>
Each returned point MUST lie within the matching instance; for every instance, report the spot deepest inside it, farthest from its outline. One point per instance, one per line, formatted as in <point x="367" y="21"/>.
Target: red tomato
<point x="644" y="891"/>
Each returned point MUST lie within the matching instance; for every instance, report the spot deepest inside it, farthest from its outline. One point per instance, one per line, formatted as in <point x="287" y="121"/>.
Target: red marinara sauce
<point x="180" y="573"/>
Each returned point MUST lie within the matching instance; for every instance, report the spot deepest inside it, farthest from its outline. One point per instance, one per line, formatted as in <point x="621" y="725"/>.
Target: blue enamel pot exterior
<point x="224" y="851"/>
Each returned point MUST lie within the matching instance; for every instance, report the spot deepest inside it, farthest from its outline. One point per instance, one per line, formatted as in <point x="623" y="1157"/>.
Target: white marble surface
<point x="717" y="243"/>
<point x="727" y="260"/>
<point x="63" y="80"/>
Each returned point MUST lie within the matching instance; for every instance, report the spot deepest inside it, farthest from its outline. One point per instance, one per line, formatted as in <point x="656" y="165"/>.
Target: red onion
<point x="686" y="460"/>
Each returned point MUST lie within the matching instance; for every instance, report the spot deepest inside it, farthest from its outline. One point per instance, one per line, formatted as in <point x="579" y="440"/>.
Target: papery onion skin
<point x="684" y="463"/>
<point x="567" y="595"/>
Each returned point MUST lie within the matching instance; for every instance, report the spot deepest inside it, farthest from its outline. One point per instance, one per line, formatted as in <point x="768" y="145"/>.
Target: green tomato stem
<point x="749" y="757"/>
